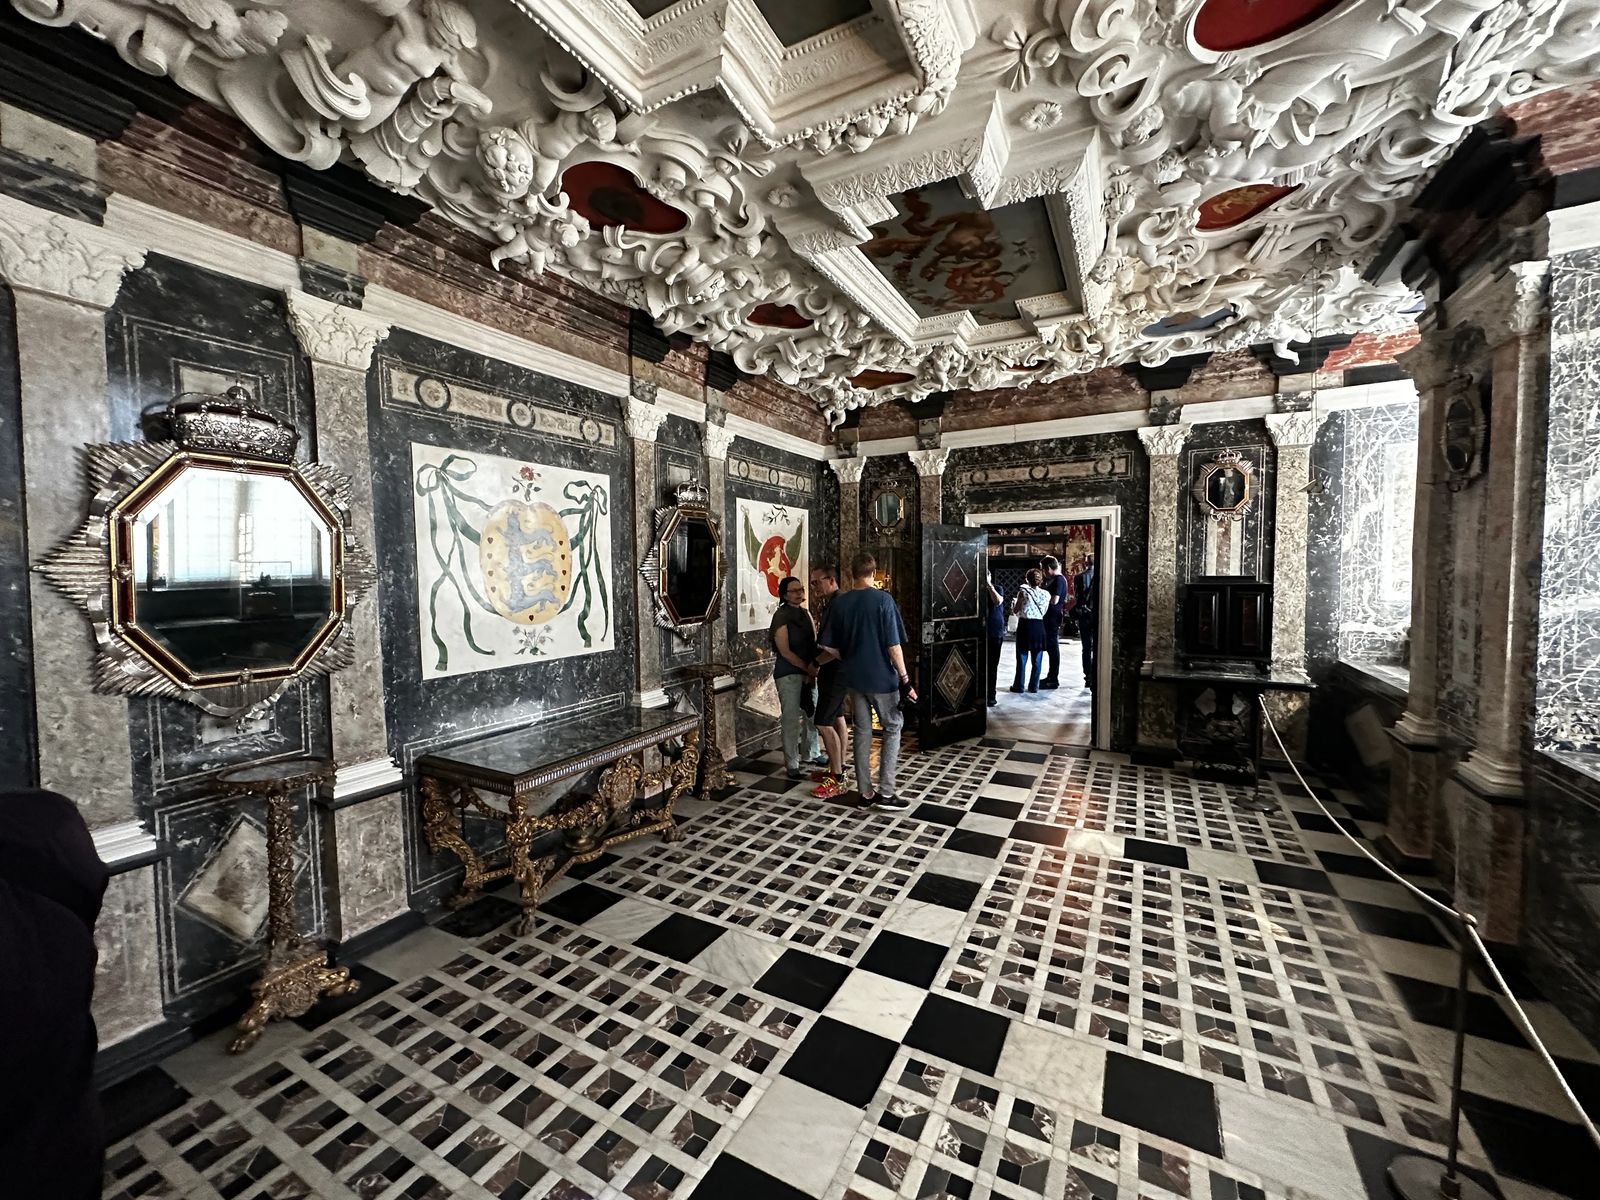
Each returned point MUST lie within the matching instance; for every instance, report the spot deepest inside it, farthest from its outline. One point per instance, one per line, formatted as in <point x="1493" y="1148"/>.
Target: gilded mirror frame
<point x="94" y="566"/>
<point x="1225" y="461"/>
<point x="691" y="501"/>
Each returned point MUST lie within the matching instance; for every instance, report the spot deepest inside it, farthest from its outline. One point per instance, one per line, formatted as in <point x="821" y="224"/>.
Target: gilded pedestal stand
<point x="295" y="973"/>
<point x="711" y="760"/>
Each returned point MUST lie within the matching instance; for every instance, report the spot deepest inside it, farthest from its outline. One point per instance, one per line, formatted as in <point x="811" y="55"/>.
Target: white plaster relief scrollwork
<point x="333" y="333"/>
<point x="716" y="439"/>
<point x="848" y="469"/>
<point x="1164" y="441"/>
<point x="929" y="462"/>
<point x="70" y="260"/>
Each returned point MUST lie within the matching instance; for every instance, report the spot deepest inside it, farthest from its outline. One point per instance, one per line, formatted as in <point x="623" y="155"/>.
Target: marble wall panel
<point x="1100" y="469"/>
<point x="19" y="759"/>
<point x="1563" y="899"/>
<point x="127" y="990"/>
<point x="365" y="859"/>
<point x="423" y="391"/>
<point x="1458" y="638"/>
<point x="1205" y="545"/>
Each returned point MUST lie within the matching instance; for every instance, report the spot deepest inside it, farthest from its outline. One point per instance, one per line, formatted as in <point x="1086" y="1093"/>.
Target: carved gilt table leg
<point x="440" y="819"/>
<point x="529" y="874"/>
<point x="681" y="778"/>
<point x="716" y="766"/>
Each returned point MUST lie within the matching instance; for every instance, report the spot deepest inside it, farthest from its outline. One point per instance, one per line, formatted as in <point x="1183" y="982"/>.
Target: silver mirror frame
<point x="690" y="499"/>
<point x="82" y="567"/>
<point x="1226" y="460"/>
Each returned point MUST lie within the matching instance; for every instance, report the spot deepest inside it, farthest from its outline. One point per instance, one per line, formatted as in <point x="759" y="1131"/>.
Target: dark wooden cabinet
<point x="1227" y="617"/>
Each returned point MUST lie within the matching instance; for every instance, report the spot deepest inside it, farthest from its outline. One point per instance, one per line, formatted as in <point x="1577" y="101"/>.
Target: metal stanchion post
<point x="1413" y="1176"/>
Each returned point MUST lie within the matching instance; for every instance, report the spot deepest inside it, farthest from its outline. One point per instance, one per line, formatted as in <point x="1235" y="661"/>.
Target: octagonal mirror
<point x="1223" y="486"/>
<point x="215" y="569"/>
<point x="684" y="567"/>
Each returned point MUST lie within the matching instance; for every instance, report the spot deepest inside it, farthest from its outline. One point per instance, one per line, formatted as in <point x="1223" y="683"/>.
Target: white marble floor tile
<point x="983" y="823"/>
<point x="1093" y="841"/>
<point x="1433" y="963"/>
<point x="1373" y="891"/>
<point x="1494" y="1069"/>
<point x="798" y="1134"/>
<point x="1219" y="864"/>
<point x="1289" y="1144"/>
<point x="962" y="866"/>
<point x="206" y="1065"/>
<point x="1004" y="791"/>
<point x="626" y="920"/>
<point x="876" y="1003"/>
<point x="1060" y="1067"/>
<point x="930" y="922"/>
<point x="738" y="957"/>
<point x="1559" y="1035"/>
<point x="418" y="952"/>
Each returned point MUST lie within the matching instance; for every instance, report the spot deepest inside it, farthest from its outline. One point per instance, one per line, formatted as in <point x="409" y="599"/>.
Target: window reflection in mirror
<point x="888" y="509"/>
<point x="689" y="568"/>
<point x="231" y="571"/>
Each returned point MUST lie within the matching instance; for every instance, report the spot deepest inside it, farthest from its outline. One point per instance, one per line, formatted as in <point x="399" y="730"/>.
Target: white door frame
<point x="1110" y="518"/>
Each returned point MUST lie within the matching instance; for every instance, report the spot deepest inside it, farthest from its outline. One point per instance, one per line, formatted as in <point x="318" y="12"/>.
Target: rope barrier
<point x="1412" y="1180"/>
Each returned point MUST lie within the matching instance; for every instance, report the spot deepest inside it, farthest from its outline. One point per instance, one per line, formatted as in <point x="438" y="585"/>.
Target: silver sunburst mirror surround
<point x="213" y="567"/>
<point x="685" y="565"/>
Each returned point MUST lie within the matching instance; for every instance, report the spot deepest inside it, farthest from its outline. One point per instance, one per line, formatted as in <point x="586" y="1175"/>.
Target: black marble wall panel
<point x="1325" y="516"/>
<point x="764" y="473"/>
<point x="19" y="758"/>
<point x="1563" y="902"/>
<point x="177" y="328"/>
<point x="429" y="714"/>
<point x="1101" y="469"/>
<point x="1195" y="528"/>
<point x="825" y="519"/>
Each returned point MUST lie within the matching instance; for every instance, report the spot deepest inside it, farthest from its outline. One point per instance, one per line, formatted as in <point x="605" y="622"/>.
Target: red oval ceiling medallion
<point x="780" y="316"/>
<point x="871" y="379"/>
<point x="607" y="195"/>
<point x="1230" y="208"/>
<point x="1025" y="367"/>
<point x="1236" y="24"/>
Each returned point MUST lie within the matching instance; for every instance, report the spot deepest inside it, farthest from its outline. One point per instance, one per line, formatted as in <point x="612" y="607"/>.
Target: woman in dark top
<point x="794" y="641"/>
<point x="52" y="1140"/>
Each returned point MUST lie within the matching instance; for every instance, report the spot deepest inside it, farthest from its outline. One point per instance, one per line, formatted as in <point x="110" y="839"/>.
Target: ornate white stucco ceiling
<point x="847" y="189"/>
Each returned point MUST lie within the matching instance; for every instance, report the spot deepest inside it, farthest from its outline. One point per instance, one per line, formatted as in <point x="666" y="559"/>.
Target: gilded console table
<point x="715" y="766"/>
<point x="497" y="778"/>
<point x="295" y="972"/>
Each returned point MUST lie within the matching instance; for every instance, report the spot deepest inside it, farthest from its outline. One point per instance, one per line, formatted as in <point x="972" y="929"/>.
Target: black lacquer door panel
<point x="952" y="666"/>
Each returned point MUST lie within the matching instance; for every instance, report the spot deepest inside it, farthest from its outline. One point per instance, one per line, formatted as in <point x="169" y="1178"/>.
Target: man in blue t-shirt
<point x="863" y="630"/>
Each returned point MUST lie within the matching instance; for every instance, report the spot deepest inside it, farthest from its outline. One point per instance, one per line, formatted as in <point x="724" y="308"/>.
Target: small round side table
<point x="295" y="973"/>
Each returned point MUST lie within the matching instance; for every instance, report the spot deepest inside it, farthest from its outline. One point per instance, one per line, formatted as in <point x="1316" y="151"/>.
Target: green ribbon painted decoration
<point x="438" y="484"/>
<point x="590" y="503"/>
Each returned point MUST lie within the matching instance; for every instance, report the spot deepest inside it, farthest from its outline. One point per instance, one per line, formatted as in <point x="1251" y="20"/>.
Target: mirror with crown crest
<point x="214" y="568"/>
<point x="684" y="567"/>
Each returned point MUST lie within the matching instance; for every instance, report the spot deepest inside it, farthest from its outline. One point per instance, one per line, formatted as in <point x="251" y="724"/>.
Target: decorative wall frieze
<point x="1292" y="429"/>
<point x="716" y="439"/>
<point x="332" y="333"/>
<point x="848" y="469"/>
<point x="929" y="462"/>
<point x="1164" y="441"/>
<point x="47" y="253"/>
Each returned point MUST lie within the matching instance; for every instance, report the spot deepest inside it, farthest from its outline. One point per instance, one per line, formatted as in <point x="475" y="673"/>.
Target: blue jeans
<point x="799" y="734"/>
<point x="1036" y="657"/>
<point x="887" y="706"/>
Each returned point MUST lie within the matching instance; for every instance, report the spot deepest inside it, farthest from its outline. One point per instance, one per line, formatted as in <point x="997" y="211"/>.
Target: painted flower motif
<point x="535" y="642"/>
<point x="528" y="473"/>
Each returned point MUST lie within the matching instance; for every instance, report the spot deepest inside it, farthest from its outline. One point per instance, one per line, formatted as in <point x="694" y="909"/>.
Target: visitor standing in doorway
<point x="831" y="692"/>
<point x="1086" y="610"/>
<point x="864" y="631"/>
<point x="995" y="628"/>
<point x="1056" y="584"/>
<point x="1030" y="605"/>
<point x="794" y="641"/>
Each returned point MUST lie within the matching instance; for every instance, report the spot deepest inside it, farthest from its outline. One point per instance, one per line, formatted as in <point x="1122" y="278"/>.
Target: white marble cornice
<point x="716" y="439"/>
<point x="334" y="333"/>
<point x="848" y="469"/>
<point x="51" y="255"/>
<point x="1161" y="441"/>
<point x="929" y="462"/>
<point x="1292" y="429"/>
<point x="644" y="419"/>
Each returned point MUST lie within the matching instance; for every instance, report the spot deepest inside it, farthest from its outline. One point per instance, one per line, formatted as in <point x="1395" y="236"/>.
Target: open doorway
<point x="1073" y="712"/>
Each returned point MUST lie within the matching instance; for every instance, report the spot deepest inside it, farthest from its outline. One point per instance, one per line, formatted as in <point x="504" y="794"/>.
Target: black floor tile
<point x="1304" y="879"/>
<point x="990" y="807"/>
<point x="908" y="959"/>
<point x="997" y="743"/>
<point x="1043" y="835"/>
<point x="373" y="983"/>
<point x="961" y="1033"/>
<point x="1405" y="924"/>
<point x="1027" y="756"/>
<point x="1316" y="822"/>
<point x="585" y="870"/>
<point x="1373" y="1154"/>
<point x="1161" y="853"/>
<point x="732" y="1178"/>
<point x="1072" y="751"/>
<point x="1165" y="1102"/>
<point x="1530" y="1146"/>
<point x="804" y="979"/>
<point x="970" y="841"/>
<point x="934" y="888"/>
<point x="841" y="1060"/>
<point x="1012" y="779"/>
<point x="938" y="814"/>
<point x="579" y="903"/>
<point x="1434" y="1004"/>
<point x="483" y="915"/>
<point x="776" y="784"/>
<point x="679" y="937"/>
<point x="1350" y="864"/>
<point x="138" y="1100"/>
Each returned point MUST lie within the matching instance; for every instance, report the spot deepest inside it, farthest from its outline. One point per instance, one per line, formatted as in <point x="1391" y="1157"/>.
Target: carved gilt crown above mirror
<point x="685" y="566"/>
<point x="1225" y="486"/>
<point x="214" y="568"/>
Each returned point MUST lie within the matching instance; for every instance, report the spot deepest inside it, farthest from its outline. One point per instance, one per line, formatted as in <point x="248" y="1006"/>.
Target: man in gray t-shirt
<point x="863" y="630"/>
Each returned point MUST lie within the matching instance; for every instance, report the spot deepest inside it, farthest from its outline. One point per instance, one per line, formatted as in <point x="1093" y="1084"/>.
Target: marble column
<point x="1411" y="827"/>
<point x="930" y="466"/>
<point x="364" y="843"/>
<point x="1293" y="434"/>
<point x="717" y="440"/>
<point x="1157" y="701"/>
<point x="849" y="472"/>
<point x="643" y="418"/>
<point x="64" y="274"/>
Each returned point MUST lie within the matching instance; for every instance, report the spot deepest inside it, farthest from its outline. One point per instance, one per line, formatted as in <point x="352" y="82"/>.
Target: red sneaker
<point x="830" y="787"/>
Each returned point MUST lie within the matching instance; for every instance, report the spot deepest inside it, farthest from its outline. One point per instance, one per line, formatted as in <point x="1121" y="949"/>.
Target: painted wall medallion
<point x="513" y="561"/>
<point x="608" y="195"/>
<point x="771" y="544"/>
<point x="1237" y="205"/>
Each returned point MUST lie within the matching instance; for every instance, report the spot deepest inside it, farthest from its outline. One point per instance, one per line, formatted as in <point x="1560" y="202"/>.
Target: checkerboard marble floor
<point x="1059" y="975"/>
